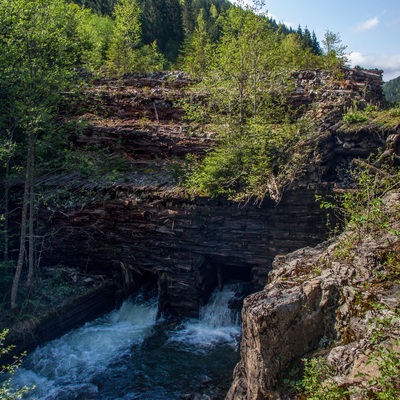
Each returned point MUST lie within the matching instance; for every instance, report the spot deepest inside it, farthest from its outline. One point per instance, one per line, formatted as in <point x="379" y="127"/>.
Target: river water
<point x="129" y="354"/>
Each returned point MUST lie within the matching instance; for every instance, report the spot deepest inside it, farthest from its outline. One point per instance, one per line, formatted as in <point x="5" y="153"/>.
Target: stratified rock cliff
<point x="147" y="228"/>
<point x="340" y="300"/>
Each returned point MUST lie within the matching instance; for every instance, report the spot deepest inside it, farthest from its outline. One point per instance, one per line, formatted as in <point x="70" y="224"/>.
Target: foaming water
<point x="217" y="325"/>
<point x="128" y="355"/>
<point x="67" y="366"/>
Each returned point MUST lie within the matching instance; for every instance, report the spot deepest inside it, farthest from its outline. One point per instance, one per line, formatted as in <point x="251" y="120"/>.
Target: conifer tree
<point x="306" y="38"/>
<point x="162" y="22"/>
<point x="126" y="36"/>
<point x="316" y="48"/>
<point x="197" y="52"/>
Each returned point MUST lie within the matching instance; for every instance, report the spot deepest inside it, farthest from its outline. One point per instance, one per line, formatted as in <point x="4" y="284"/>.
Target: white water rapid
<point x="128" y="355"/>
<point x="66" y="366"/>
<point x="217" y="324"/>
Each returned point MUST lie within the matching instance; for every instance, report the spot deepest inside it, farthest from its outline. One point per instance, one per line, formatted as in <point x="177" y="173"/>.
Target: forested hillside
<point x="392" y="90"/>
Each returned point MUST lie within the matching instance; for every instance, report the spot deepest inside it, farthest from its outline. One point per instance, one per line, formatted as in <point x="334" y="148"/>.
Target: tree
<point x="334" y="49"/>
<point x="188" y="22"/>
<point x="294" y="55"/>
<point x="103" y="7"/>
<point x="39" y="45"/>
<point x="316" y="48"/>
<point x="247" y="86"/>
<point x="162" y="22"/>
<point x="198" y="49"/>
<point x="126" y="36"/>
<point x="306" y="38"/>
<point x="148" y="59"/>
<point x="244" y="65"/>
<point x="96" y="32"/>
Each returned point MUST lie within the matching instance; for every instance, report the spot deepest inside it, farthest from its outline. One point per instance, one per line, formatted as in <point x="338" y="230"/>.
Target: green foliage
<point x="103" y="7"/>
<point x="162" y="22"/>
<point x="334" y="50"/>
<point x="386" y="356"/>
<point x="96" y="33"/>
<point x="246" y="85"/>
<point x="36" y="64"/>
<point x="126" y="36"/>
<point x="318" y="383"/>
<point x="391" y="90"/>
<point x="126" y="52"/>
<point x="7" y="392"/>
<point x="294" y="55"/>
<point x="149" y="59"/>
<point x="387" y="385"/>
<point x="251" y="163"/>
<point x="363" y="209"/>
<point x="354" y="115"/>
<point x="198" y="50"/>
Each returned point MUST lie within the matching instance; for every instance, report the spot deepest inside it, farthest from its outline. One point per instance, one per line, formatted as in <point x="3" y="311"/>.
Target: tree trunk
<point x="24" y="217"/>
<point x="31" y="237"/>
<point x="6" y="212"/>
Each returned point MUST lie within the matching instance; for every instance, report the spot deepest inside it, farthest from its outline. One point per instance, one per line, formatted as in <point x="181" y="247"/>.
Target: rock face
<point x="323" y="299"/>
<point x="147" y="228"/>
<point x="189" y="246"/>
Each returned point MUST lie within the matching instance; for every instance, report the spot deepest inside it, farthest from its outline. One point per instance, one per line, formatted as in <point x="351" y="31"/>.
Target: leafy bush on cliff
<point x="318" y="382"/>
<point x="252" y="163"/>
<point x="246" y="82"/>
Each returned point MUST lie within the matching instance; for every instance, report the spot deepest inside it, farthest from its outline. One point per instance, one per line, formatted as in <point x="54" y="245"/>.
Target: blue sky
<point x="370" y="28"/>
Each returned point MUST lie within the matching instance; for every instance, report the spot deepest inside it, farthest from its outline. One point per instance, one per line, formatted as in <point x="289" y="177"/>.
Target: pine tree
<point x="306" y="39"/>
<point x="316" y="48"/>
<point x="162" y="22"/>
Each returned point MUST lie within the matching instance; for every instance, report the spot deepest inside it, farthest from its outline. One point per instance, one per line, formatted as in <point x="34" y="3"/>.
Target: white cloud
<point x="367" y="25"/>
<point x="390" y="64"/>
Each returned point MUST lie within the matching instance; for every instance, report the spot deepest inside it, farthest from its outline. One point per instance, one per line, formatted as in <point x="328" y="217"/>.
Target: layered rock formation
<point x="147" y="228"/>
<point x="335" y="299"/>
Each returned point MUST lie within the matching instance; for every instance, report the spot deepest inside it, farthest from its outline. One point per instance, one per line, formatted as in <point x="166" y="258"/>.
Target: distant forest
<point x="392" y="90"/>
<point x="170" y="22"/>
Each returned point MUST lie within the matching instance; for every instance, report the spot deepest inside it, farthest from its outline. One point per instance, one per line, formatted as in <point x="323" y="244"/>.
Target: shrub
<point x="7" y="392"/>
<point x="318" y="383"/>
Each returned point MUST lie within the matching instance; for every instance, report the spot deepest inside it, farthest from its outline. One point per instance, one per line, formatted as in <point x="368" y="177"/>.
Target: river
<point x="130" y="354"/>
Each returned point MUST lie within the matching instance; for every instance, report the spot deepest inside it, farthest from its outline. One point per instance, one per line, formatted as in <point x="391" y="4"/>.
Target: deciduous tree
<point x="334" y="49"/>
<point x="126" y="36"/>
<point x="40" y="45"/>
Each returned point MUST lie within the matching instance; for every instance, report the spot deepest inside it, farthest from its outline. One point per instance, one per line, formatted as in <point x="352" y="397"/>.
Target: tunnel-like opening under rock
<point x="233" y="273"/>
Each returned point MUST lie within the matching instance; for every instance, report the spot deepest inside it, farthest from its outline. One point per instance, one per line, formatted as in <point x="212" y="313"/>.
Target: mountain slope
<point x="391" y="90"/>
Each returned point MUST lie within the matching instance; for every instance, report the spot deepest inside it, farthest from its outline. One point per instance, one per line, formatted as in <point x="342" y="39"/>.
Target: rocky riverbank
<point x="338" y="300"/>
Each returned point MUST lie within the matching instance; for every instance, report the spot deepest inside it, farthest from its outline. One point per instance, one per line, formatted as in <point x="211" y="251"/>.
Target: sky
<point x="369" y="28"/>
